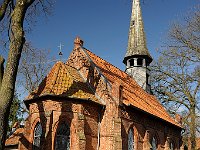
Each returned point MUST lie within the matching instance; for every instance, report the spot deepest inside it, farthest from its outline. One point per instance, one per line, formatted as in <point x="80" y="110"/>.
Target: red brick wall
<point x="82" y="119"/>
<point x="142" y="122"/>
<point x="91" y="126"/>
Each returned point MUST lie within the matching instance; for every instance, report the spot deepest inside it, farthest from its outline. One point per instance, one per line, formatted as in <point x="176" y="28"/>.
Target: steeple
<point x="137" y="57"/>
<point x="137" y="39"/>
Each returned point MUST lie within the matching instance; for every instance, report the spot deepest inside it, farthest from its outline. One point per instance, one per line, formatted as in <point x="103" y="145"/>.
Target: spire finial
<point x="78" y="42"/>
<point x="60" y="50"/>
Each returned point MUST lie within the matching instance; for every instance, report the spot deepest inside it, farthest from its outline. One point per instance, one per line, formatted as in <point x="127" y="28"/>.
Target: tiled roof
<point x="133" y="94"/>
<point x="198" y="143"/>
<point x="65" y="81"/>
<point x="14" y="138"/>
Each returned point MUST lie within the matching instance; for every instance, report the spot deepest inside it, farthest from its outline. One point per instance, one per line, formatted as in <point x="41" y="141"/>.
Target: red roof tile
<point x="14" y="138"/>
<point x="65" y="81"/>
<point x="198" y="143"/>
<point x="133" y="94"/>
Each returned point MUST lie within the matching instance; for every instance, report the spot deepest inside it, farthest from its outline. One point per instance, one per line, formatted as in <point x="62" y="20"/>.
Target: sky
<point x="104" y="24"/>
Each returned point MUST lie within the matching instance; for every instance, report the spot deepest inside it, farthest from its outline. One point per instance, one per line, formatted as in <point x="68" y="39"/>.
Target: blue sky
<point x="104" y="25"/>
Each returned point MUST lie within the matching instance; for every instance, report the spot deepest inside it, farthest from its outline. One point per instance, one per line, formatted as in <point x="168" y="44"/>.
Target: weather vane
<point x="60" y="50"/>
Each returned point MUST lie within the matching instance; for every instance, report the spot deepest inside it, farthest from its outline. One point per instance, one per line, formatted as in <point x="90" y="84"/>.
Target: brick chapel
<point x="87" y="103"/>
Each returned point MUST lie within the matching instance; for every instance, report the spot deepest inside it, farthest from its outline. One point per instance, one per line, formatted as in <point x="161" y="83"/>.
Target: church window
<point x="62" y="140"/>
<point x="139" y="61"/>
<point x="171" y="146"/>
<point x="154" y="143"/>
<point x="37" y="136"/>
<point x="131" y="140"/>
<point x="131" y="62"/>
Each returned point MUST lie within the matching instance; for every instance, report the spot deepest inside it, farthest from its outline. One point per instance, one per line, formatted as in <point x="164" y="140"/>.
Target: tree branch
<point x="196" y="89"/>
<point x="172" y="98"/>
<point x="3" y="8"/>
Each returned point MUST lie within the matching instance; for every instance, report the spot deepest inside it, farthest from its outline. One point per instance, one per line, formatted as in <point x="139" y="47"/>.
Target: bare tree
<point x="15" y="12"/>
<point x="34" y="65"/>
<point x="176" y="74"/>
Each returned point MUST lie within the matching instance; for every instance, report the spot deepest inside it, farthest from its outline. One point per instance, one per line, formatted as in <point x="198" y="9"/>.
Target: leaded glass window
<point x="154" y="144"/>
<point x="37" y="136"/>
<point x="131" y="140"/>
<point x="171" y="146"/>
<point x="62" y="137"/>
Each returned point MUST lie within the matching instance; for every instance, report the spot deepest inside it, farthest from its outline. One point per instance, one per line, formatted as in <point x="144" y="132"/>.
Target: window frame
<point x="131" y="145"/>
<point x="60" y="134"/>
<point x="156" y="143"/>
<point x="172" y="144"/>
<point x="36" y="136"/>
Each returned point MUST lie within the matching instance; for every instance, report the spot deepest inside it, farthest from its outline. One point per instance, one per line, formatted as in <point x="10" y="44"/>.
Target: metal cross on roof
<point x="60" y="50"/>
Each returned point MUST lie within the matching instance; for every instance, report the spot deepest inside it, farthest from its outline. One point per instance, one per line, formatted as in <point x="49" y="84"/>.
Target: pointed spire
<point x="136" y="40"/>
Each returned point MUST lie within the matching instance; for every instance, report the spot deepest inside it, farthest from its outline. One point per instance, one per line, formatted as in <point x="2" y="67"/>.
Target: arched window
<point x="37" y="136"/>
<point x="171" y="145"/>
<point x="154" y="143"/>
<point x="131" y="140"/>
<point x="62" y="140"/>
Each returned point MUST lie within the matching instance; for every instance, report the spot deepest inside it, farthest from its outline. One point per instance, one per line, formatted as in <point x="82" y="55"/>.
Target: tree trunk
<point x="193" y="127"/>
<point x="8" y="83"/>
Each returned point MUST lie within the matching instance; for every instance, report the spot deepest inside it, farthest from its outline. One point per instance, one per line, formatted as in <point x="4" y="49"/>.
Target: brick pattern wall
<point x="110" y="129"/>
<point x="83" y="124"/>
<point x="92" y="125"/>
<point x="87" y="121"/>
<point x="141" y="123"/>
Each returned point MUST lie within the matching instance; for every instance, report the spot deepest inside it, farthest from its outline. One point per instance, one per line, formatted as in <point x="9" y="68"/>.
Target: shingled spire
<point x="137" y="57"/>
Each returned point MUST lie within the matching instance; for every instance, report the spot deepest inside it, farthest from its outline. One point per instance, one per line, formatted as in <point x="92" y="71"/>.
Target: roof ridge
<point x="114" y="74"/>
<point x="96" y="65"/>
<point x="152" y="96"/>
<point x="84" y="82"/>
<point x="69" y="71"/>
<point x="60" y="63"/>
<point x="106" y="61"/>
<point x="124" y="73"/>
<point x="156" y="102"/>
<point x="37" y="91"/>
<point x="93" y="64"/>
